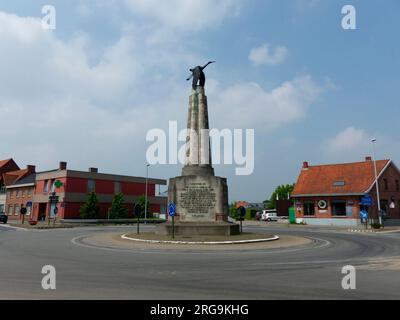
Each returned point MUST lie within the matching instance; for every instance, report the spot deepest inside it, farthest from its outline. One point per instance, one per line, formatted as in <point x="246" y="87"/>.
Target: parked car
<point x="3" y="217"/>
<point x="269" y="215"/>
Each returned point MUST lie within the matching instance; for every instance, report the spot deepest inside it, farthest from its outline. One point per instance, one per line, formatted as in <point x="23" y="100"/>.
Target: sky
<point x="90" y="90"/>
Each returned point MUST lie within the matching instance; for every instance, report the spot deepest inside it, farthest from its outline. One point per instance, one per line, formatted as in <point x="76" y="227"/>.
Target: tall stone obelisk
<point x="200" y="197"/>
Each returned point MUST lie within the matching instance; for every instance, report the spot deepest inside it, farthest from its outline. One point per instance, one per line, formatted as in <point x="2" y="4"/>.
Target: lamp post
<point x="376" y="182"/>
<point x="145" y="201"/>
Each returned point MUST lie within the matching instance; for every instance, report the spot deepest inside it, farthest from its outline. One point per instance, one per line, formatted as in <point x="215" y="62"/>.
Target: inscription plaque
<point x="197" y="201"/>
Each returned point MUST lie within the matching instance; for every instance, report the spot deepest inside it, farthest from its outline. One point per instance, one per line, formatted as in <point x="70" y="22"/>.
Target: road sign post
<point x="55" y="211"/>
<point x="53" y="199"/>
<point x="171" y="212"/>
<point x="23" y="212"/>
<point x="364" y="216"/>
<point x="242" y="213"/>
<point x="137" y="214"/>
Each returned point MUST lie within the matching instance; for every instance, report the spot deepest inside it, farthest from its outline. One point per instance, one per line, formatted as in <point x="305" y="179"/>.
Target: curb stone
<point x="274" y="238"/>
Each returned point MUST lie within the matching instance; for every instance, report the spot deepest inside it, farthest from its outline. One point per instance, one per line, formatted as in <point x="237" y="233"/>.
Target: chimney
<point x="31" y="169"/>
<point x="305" y="165"/>
<point x="62" y="166"/>
<point x="93" y="170"/>
<point x="368" y="158"/>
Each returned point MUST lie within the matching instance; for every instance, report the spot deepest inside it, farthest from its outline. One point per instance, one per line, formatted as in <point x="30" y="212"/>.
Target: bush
<point x="91" y="209"/>
<point x="251" y="214"/>
<point x="118" y="209"/>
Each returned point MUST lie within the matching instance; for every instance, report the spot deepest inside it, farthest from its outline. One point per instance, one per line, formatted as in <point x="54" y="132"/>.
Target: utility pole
<point x="145" y="201"/>
<point x="376" y="183"/>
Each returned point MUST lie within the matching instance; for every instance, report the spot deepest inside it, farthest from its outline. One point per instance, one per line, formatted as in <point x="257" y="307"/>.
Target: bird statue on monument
<point x="198" y="75"/>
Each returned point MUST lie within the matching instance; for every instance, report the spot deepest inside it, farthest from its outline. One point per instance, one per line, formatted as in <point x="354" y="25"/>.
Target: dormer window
<point x="339" y="183"/>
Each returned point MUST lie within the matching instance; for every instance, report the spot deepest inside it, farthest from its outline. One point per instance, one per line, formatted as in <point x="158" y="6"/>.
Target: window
<point x="1" y="207"/>
<point x="10" y="194"/>
<point x="309" y="208"/>
<point x="23" y="193"/>
<point x="117" y="187"/>
<point x="339" y="208"/>
<point x="10" y="208"/>
<point x="53" y="185"/>
<point x="385" y="183"/>
<point x="29" y="192"/>
<point x="17" y="196"/>
<point x="28" y="210"/>
<point x="16" y="210"/>
<point x="46" y="186"/>
<point x="339" y="184"/>
<point x="91" y="186"/>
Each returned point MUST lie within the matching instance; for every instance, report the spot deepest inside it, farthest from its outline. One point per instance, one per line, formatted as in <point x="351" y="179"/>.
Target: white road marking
<point x="125" y="236"/>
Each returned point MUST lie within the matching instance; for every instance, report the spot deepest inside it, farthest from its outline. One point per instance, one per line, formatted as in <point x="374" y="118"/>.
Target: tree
<point x="233" y="211"/>
<point x="91" y="209"/>
<point x="282" y="192"/>
<point x="142" y="205"/>
<point x="118" y="210"/>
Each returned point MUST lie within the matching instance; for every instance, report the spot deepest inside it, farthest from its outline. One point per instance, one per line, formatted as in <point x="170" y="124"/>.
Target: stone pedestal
<point x="201" y="198"/>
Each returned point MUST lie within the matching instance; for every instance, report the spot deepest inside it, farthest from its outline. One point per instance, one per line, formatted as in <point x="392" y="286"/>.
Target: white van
<point x="269" y="215"/>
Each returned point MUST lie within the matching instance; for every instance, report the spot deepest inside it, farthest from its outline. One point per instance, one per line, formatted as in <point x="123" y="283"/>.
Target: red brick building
<point x="77" y="184"/>
<point x="20" y="188"/>
<point x="5" y="166"/>
<point x="331" y="194"/>
<point x="25" y="187"/>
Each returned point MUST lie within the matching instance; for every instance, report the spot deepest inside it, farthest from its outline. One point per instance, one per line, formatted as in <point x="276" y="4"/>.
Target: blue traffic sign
<point x="363" y="214"/>
<point x="29" y="204"/>
<point x="171" y="209"/>
<point x="367" y="200"/>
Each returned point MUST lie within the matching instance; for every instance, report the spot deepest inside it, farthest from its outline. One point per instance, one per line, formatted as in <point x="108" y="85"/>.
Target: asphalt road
<point x="307" y="272"/>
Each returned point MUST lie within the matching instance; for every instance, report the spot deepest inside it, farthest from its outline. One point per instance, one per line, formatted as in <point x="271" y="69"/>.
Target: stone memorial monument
<point x="200" y="197"/>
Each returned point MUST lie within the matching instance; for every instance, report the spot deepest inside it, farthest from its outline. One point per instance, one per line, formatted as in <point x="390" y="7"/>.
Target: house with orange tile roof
<point x="6" y="166"/>
<point x="331" y="194"/>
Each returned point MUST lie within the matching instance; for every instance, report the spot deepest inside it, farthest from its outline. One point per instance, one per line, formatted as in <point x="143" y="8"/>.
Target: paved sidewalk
<point x="287" y="225"/>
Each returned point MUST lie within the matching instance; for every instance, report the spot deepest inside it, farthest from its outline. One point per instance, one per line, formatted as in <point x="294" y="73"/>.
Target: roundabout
<point x="247" y="243"/>
<point x="97" y="263"/>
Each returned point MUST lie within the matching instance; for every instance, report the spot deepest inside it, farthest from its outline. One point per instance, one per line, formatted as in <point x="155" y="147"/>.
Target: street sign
<point x="367" y="201"/>
<point x="171" y="209"/>
<point x="137" y="211"/>
<point x="363" y="215"/>
<point x="53" y="198"/>
<point x="242" y="211"/>
<point x="29" y="204"/>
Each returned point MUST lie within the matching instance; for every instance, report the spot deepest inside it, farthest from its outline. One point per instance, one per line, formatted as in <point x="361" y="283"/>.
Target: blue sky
<point x="89" y="91"/>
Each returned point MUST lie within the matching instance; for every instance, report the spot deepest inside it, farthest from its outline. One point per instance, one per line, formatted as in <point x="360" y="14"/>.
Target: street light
<point x="145" y="201"/>
<point x="376" y="182"/>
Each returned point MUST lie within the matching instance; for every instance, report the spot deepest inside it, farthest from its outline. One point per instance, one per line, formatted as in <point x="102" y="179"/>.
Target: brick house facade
<point x="331" y="194"/>
<point x="76" y="185"/>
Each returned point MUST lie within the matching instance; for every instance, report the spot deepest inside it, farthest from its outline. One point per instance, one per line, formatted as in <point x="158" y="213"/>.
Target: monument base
<point x="199" y="229"/>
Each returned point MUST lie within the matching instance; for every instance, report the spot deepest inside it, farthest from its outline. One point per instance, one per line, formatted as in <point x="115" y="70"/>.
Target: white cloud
<point x="186" y="14"/>
<point x="353" y="144"/>
<point x="248" y="105"/>
<point x="265" y="55"/>
<point x="58" y="103"/>
<point x="348" y="140"/>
